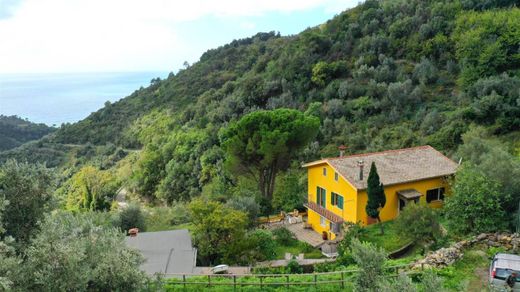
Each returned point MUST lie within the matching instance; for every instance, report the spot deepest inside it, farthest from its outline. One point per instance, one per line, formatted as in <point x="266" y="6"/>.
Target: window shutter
<point x="340" y="202"/>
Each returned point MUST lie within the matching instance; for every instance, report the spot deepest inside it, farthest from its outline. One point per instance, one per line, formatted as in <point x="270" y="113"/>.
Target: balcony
<point x="329" y="215"/>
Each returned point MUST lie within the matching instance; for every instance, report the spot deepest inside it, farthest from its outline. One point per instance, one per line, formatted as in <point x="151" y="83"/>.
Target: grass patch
<point x="296" y="283"/>
<point x="296" y="248"/>
<point x="161" y="219"/>
<point x="390" y="241"/>
<point x="467" y="274"/>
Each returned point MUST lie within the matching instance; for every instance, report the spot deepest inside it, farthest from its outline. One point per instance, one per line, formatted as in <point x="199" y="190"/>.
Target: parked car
<point x="503" y="269"/>
<point x="220" y="269"/>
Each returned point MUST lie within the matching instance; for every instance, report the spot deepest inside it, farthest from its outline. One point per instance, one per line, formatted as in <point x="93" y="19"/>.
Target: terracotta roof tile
<point x="394" y="166"/>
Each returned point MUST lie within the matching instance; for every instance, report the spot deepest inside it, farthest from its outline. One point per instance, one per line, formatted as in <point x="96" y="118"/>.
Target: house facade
<point x="337" y="186"/>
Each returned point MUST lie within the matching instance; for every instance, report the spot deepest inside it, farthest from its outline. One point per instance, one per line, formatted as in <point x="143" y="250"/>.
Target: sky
<point x="60" y="36"/>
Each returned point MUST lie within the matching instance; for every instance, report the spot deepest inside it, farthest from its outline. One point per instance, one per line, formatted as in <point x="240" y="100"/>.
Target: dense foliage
<point x="419" y="223"/>
<point x="263" y="143"/>
<point x="476" y="203"/>
<point x="28" y="190"/>
<point x="218" y="232"/>
<point x="385" y="74"/>
<point x="73" y="253"/>
<point x="222" y="141"/>
<point x="89" y="189"/>
<point x="15" y="131"/>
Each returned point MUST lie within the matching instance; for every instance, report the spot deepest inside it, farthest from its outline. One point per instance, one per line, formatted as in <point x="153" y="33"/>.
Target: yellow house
<point x="337" y="186"/>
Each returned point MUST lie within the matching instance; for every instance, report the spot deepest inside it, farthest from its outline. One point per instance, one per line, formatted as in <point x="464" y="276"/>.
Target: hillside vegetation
<point x="383" y="75"/>
<point x="220" y="144"/>
<point x="15" y="131"/>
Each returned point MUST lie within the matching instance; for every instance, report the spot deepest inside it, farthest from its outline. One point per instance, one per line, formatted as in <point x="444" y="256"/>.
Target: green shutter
<point x="340" y="202"/>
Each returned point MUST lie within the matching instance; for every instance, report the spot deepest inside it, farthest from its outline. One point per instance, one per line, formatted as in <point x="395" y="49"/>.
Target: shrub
<point x="293" y="267"/>
<point x="352" y="231"/>
<point x="72" y="253"/>
<point x="131" y="217"/>
<point x="370" y="260"/>
<point x="218" y="232"/>
<point x="247" y="205"/>
<point x="474" y="206"/>
<point x="179" y="214"/>
<point x="284" y="237"/>
<point x="419" y="223"/>
<point x="262" y="246"/>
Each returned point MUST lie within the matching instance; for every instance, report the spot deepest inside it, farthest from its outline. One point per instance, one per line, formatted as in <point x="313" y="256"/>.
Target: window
<point x="336" y="176"/>
<point x="324" y="171"/>
<point x="321" y="194"/>
<point x="336" y="200"/>
<point x="323" y="222"/>
<point x="435" y="195"/>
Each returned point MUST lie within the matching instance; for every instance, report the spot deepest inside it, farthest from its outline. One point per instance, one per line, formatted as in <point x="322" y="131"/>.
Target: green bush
<point x="475" y="205"/>
<point x="179" y="213"/>
<point x="293" y="267"/>
<point x="419" y="223"/>
<point x="284" y="237"/>
<point x="370" y="260"/>
<point x="131" y="217"/>
<point x="261" y="245"/>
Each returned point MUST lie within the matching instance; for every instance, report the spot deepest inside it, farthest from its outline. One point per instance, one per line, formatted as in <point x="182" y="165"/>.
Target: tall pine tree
<point x="376" y="195"/>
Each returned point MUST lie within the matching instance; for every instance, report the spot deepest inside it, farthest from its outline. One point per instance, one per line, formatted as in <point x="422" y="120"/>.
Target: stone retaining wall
<point x="448" y="255"/>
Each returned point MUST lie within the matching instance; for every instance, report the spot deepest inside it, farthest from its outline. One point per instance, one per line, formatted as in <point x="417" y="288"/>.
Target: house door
<point x="402" y="204"/>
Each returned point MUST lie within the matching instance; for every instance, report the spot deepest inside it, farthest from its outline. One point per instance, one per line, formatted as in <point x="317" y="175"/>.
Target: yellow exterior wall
<point x="391" y="209"/>
<point x="354" y="203"/>
<point x="341" y="187"/>
<point x="314" y="219"/>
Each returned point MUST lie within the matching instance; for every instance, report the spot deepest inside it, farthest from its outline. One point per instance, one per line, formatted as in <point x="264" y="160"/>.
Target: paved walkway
<point x="306" y="235"/>
<point x="231" y="270"/>
<point x="302" y="262"/>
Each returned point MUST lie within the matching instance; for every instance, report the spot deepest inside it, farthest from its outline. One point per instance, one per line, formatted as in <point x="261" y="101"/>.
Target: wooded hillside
<point x="15" y="131"/>
<point x="383" y="75"/>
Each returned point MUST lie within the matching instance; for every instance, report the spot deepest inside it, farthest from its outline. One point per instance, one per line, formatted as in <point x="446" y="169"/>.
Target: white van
<point x="503" y="267"/>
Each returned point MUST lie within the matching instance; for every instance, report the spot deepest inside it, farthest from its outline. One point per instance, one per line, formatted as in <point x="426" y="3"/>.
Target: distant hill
<point x="15" y="131"/>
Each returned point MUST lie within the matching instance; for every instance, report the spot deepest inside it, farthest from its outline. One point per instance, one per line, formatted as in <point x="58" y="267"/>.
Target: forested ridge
<point x="15" y="131"/>
<point x="382" y="75"/>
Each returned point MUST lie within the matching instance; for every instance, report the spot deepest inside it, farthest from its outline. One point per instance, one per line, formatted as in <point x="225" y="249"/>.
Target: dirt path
<point x="480" y="282"/>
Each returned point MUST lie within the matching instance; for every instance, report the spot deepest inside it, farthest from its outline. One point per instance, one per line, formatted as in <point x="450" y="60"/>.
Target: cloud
<point x="119" y="35"/>
<point x="7" y="7"/>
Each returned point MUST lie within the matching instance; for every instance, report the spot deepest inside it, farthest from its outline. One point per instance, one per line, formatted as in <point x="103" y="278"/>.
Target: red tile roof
<point x="393" y="166"/>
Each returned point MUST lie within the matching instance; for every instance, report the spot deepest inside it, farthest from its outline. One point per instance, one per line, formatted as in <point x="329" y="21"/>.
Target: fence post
<point x="209" y="280"/>
<point x="315" y="281"/>
<point x="184" y="281"/>
<point x="287" y="277"/>
<point x="234" y="282"/>
<point x="342" y="280"/>
<point x="261" y="282"/>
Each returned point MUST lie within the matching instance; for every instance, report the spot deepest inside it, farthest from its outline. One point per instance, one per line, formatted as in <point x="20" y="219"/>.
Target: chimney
<point x="133" y="232"/>
<point x="342" y="149"/>
<point x="360" y="163"/>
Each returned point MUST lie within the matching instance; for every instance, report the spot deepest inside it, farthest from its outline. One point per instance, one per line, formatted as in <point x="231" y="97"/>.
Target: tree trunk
<point x="381" y="225"/>
<point x="272" y="181"/>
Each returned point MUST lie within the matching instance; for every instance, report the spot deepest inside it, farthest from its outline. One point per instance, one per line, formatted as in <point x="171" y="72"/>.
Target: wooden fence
<point x="339" y="278"/>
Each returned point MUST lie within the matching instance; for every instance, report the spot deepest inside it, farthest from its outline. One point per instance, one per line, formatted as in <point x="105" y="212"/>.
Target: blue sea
<point x="54" y="99"/>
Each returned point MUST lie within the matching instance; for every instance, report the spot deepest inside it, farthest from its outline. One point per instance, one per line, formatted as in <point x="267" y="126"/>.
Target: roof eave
<point x="317" y="162"/>
<point x="412" y="180"/>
